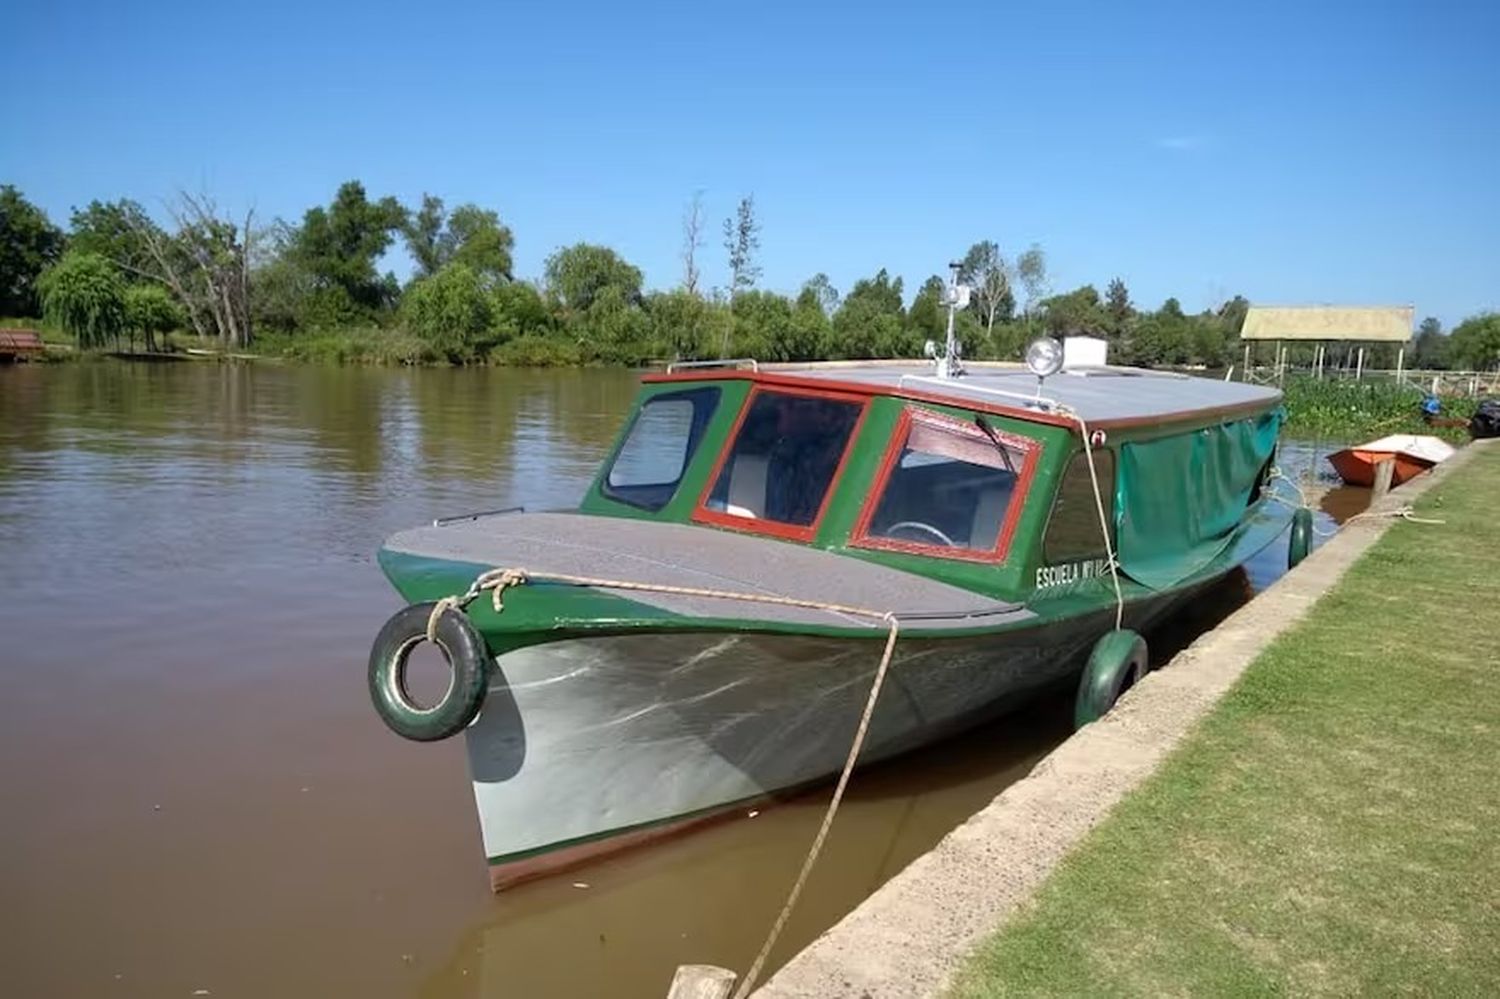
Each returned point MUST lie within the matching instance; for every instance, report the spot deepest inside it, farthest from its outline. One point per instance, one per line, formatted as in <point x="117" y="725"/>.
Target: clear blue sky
<point x="1296" y="152"/>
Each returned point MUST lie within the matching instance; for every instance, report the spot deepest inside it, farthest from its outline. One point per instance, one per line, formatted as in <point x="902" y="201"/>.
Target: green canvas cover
<point x="1179" y="499"/>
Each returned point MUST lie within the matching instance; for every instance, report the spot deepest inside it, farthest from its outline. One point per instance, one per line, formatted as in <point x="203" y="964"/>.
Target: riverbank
<point x="1335" y="411"/>
<point x="1324" y="830"/>
<point x="1330" y="827"/>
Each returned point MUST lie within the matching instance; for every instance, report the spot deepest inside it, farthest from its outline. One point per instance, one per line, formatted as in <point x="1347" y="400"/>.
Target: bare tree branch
<point x="692" y="241"/>
<point x="206" y="264"/>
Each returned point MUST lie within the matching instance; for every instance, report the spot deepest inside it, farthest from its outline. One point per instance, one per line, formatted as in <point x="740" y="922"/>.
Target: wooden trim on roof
<point x="972" y="403"/>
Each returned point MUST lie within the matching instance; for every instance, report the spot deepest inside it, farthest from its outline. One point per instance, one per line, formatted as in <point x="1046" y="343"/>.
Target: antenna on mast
<point x="950" y="363"/>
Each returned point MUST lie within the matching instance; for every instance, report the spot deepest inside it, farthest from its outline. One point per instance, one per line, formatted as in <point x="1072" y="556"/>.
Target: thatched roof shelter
<point x="1361" y="324"/>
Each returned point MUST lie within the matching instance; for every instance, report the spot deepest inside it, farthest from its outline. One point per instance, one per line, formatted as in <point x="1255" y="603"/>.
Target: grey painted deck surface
<point x="686" y="555"/>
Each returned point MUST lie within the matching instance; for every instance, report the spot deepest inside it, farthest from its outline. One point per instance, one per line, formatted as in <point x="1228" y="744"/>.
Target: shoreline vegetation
<point x="313" y="290"/>
<point x="1329" y="409"/>
<point x="118" y="282"/>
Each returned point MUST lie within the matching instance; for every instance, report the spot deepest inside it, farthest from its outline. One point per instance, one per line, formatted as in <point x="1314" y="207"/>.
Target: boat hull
<point x="589" y="745"/>
<point x="1357" y="467"/>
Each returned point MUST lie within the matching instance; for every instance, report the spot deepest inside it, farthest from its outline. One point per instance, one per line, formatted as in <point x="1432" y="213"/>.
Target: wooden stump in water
<point x="1384" y="471"/>
<point x="702" y="981"/>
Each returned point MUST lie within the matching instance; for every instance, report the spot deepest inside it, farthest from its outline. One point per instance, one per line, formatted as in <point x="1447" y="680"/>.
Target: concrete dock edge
<point x="911" y="935"/>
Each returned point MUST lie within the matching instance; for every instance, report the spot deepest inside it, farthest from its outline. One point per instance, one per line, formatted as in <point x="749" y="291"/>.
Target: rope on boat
<point x="748" y="982"/>
<point x="497" y="581"/>
<point x="1109" y="546"/>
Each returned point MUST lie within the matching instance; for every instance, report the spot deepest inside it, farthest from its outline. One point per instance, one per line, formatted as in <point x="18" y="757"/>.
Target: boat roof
<point x="1106" y="395"/>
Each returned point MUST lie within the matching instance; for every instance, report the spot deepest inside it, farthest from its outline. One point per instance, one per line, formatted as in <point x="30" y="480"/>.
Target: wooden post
<point x="1385" y="470"/>
<point x="1359" y="365"/>
<point x="1401" y="364"/>
<point x="701" y="981"/>
<point x="1246" y="368"/>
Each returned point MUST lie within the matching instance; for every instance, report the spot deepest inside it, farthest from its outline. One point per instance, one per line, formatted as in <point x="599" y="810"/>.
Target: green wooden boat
<point x="597" y="717"/>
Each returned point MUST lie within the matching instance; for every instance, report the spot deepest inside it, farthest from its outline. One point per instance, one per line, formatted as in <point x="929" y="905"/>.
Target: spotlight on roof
<point x="1044" y="357"/>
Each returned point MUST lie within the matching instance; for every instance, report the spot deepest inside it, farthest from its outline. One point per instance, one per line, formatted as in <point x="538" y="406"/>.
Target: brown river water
<point x="197" y="797"/>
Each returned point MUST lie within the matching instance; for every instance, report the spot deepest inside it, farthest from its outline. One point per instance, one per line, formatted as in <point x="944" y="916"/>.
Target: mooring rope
<point x="497" y="581"/>
<point x="1109" y="547"/>
<point x="751" y="976"/>
<point x="1275" y="475"/>
<point x="1406" y="513"/>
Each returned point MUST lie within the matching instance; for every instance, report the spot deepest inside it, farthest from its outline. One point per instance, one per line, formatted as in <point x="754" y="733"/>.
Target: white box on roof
<point x="1084" y="352"/>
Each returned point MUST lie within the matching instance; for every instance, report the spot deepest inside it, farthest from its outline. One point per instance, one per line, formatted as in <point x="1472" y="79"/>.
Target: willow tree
<point x="149" y="310"/>
<point x="82" y="294"/>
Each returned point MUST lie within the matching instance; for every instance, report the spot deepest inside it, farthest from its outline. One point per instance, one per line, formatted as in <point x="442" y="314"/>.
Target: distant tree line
<point x="314" y="288"/>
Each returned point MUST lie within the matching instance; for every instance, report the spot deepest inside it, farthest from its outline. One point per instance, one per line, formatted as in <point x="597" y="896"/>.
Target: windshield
<point x="949" y="492"/>
<point x="784" y="458"/>
<point x="650" y="464"/>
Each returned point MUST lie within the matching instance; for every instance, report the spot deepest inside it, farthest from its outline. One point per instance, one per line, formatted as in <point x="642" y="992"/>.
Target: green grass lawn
<point x="1333" y="826"/>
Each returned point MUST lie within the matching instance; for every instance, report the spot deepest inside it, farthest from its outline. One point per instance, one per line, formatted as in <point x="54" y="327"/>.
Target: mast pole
<point x="948" y="366"/>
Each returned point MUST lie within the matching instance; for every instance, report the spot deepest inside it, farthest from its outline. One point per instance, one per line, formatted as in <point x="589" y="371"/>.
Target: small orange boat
<point x="1413" y="454"/>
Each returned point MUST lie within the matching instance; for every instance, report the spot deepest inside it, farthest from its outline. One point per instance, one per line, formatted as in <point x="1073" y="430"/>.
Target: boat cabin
<point x="979" y="480"/>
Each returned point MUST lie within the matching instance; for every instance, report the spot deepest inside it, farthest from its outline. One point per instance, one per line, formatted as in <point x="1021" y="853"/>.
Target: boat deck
<point x="686" y="555"/>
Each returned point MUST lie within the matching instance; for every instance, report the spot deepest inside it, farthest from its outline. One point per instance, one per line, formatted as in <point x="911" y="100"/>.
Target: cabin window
<point x="1073" y="528"/>
<point x="662" y="438"/>
<point x="949" y="488"/>
<point x="787" y="450"/>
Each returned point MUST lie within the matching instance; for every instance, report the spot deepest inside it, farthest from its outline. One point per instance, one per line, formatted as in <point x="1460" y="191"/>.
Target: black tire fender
<point x="468" y="660"/>
<point x="1117" y="661"/>
<point x="1300" y="542"/>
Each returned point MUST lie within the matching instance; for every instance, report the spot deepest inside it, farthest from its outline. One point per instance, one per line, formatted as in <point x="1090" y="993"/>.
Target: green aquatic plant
<point x="1348" y="410"/>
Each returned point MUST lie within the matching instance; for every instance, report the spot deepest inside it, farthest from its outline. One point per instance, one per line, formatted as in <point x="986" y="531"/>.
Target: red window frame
<point x="777" y="529"/>
<point x="1031" y="449"/>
